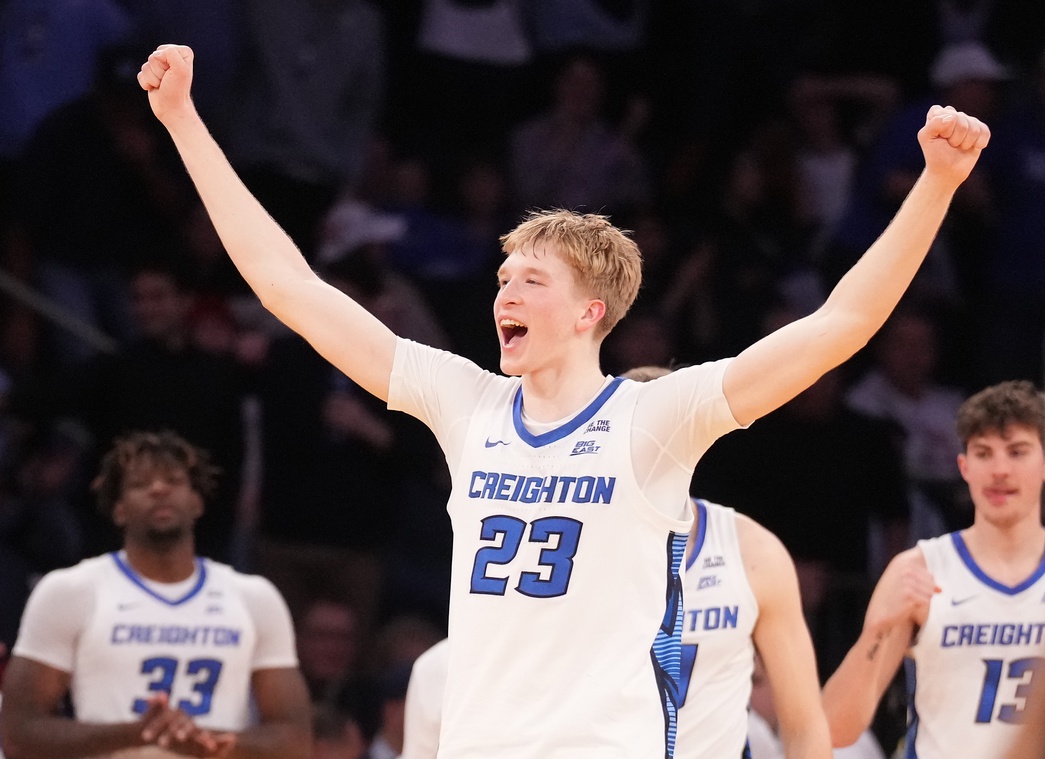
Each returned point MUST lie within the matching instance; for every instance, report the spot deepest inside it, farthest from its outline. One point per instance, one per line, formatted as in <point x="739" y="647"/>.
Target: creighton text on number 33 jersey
<point x="565" y="607"/>
<point x="124" y="639"/>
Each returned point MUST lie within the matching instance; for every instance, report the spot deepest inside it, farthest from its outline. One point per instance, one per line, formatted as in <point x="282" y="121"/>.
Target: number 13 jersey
<point x="971" y="665"/>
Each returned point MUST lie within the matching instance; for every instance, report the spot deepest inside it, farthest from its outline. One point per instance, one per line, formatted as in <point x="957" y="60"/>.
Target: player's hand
<point x="174" y="730"/>
<point x="902" y="595"/>
<point x="224" y="743"/>
<point x="951" y="142"/>
<point x="167" y="77"/>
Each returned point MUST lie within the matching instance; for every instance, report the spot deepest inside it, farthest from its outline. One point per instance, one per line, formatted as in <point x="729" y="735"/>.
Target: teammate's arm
<point x="781" y="365"/>
<point x="783" y="641"/>
<point x="31" y="726"/>
<point x="898" y="606"/>
<point x="285" y="728"/>
<point x="340" y="329"/>
<point x="1030" y="743"/>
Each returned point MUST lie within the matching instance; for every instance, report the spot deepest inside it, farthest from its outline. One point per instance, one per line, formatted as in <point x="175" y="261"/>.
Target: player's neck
<point x="551" y="394"/>
<point x="1008" y="554"/>
<point x="172" y="563"/>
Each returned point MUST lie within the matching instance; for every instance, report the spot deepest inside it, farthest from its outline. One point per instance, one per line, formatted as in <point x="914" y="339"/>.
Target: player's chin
<point x="510" y="368"/>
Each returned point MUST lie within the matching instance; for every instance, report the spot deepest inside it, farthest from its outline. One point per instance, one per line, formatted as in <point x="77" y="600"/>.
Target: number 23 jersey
<point x="124" y="639"/>
<point x="971" y="666"/>
<point x="565" y="601"/>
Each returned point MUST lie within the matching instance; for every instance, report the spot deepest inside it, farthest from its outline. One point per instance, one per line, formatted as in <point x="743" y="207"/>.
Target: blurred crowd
<point x="754" y="149"/>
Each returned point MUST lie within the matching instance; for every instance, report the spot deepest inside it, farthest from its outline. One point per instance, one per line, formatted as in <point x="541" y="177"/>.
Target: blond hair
<point x="606" y="261"/>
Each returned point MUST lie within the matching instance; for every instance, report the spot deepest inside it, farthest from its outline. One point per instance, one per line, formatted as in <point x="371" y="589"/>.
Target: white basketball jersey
<point x="720" y="611"/>
<point x="554" y="530"/>
<point x="971" y="665"/>
<point x="129" y="641"/>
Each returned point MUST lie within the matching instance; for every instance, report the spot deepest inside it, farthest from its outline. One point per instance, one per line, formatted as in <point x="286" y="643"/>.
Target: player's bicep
<point x="282" y="697"/>
<point x="343" y="332"/>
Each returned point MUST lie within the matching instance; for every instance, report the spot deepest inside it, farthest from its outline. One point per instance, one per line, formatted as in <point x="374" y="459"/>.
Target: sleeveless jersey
<point x="123" y="641"/>
<point x="720" y="611"/>
<point x="970" y="668"/>
<point x="565" y="599"/>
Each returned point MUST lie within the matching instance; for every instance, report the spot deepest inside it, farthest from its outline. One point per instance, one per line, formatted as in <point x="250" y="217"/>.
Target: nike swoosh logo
<point x="492" y="443"/>
<point x="960" y="601"/>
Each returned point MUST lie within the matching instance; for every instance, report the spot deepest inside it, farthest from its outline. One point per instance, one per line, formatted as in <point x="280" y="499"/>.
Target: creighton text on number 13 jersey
<point x="565" y="610"/>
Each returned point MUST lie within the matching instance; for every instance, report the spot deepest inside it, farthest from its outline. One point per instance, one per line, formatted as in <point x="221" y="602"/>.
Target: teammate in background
<point x="963" y="611"/>
<point x="155" y="646"/>
<point x="608" y="461"/>
<point x="740" y="596"/>
<point x="424" y="703"/>
<point x="740" y="592"/>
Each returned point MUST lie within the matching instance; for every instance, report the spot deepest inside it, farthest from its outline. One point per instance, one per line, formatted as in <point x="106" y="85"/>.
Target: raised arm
<point x="783" y="641"/>
<point x="899" y="605"/>
<point x="781" y="365"/>
<point x="340" y="329"/>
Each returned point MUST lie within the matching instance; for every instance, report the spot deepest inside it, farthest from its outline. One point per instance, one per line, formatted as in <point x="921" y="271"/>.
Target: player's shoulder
<point x="756" y="540"/>
<point x="911" y="558"/>
<point x="246" y="582"/>
<point x="74" y="586"/>
<point x="435" y="656"/>
<point x="82" y="575"/>
<point x="258" y="593"/>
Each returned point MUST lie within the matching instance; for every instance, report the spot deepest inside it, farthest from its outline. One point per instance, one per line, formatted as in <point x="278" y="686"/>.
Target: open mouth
<point x="511" y="332"/>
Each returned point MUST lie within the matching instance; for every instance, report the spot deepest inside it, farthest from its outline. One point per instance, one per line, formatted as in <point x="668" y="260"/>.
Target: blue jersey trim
<point x="979" y="574"/>
<point x="666" y="653"/>
<point x="702" y="532"/>
<point x="137" y="580"/>
<point x="911" y="673"/>
<point x="536" y="441"/>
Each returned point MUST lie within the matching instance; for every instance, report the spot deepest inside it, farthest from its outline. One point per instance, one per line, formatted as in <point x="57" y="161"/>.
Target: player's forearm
<point x="264" y="254"/>
<point x="809" y="740"/>
<point x="850" y="696"/>
<point x="865" y="296"/>
<point x="63" y="738"/>
<point x="283" y="740"/>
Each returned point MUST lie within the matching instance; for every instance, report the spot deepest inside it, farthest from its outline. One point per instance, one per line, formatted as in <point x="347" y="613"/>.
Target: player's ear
<point x="197" y="505"/>
<point x="963" y="465"/>
<point x="119" y="514"/>
<point x="592" y="315"/>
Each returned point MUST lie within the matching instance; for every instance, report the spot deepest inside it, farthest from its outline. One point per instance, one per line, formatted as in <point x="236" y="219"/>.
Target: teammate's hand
<point x="174" y="730"/>
<point x="902" y="595"/>
<point x="167" y="77"/>
<point x="951" y="142"/>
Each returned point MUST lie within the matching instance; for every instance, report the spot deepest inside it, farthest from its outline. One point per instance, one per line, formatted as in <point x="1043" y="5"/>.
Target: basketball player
<point x="160" y="651"/>
<point x="570" y="502"/>
<point x="740" y="595"/>
<point x="963" y="611"/>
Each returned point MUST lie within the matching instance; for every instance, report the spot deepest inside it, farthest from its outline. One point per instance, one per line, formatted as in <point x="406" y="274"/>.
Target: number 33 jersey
<point x="124" y="639"/>
<point x="971" y="666"/>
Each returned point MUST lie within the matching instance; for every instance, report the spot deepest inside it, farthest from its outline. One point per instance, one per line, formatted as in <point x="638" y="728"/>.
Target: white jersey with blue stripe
<point x="972" y="663"/>
<point x="720" y="612"/>
<point x="123" y="639"/>
<point x="565" y="605"/>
